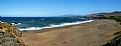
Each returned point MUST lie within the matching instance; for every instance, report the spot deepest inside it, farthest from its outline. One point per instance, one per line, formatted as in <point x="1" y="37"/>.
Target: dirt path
<point x="89" y="34"/>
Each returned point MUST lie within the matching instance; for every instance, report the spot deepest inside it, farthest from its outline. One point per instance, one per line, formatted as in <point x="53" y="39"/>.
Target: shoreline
<point x="55" y="26"/>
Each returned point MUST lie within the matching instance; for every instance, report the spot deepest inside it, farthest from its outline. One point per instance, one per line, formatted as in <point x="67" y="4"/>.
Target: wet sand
<point x="94" y="33"/>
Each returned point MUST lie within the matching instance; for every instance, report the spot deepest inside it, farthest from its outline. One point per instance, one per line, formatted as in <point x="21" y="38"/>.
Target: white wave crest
<point x="15" y="24"/>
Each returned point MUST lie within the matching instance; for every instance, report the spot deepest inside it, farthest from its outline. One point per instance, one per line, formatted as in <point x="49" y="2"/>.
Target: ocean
<point x="38" y="23"/>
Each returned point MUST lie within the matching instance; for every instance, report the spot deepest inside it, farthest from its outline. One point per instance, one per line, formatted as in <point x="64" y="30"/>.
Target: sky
<point x="45" y="8"/>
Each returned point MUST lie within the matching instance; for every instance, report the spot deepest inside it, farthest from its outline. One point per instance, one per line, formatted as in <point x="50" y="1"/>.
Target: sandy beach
<point x="94" y="33"/>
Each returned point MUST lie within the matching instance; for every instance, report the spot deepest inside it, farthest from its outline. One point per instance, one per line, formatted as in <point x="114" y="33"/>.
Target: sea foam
<point x="54" y="26"/>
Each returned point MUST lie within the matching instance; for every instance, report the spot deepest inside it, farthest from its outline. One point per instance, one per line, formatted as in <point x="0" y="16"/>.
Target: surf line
<point x="54" y="26"/>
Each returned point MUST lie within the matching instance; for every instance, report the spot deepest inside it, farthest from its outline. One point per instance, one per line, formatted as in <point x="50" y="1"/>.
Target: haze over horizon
<point x="45" y="8"/>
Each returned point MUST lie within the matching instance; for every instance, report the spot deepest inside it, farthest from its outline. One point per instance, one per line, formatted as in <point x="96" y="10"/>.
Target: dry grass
<point x="90" y="34"/>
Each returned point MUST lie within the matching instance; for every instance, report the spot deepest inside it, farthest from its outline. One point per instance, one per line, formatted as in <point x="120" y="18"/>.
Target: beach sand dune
<point x="95" y="33"/>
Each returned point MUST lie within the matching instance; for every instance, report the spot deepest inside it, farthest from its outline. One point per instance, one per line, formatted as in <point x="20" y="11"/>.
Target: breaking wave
<point x="54" y="26"/>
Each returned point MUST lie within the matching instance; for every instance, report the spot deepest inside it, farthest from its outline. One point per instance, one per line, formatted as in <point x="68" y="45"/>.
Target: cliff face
<point x="10" y="35"/>
<point x="115" y="41"/>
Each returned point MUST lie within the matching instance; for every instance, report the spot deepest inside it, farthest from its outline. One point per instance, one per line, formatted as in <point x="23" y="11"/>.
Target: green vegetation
<point x="116" y="18"/>
<point x="100" y="18"/>
<point x="120" y="23"/>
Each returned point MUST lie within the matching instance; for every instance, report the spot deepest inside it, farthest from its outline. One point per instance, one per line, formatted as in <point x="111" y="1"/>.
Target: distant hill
<point x="70" y="15"/>
<point x="115" y="13"/>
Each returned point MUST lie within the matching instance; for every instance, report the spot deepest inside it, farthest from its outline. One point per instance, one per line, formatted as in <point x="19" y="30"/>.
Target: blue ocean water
<point x="27" y="22"/>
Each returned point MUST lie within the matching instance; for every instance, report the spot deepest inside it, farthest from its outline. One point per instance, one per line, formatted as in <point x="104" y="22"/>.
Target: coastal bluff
<point x="94" y="33"/>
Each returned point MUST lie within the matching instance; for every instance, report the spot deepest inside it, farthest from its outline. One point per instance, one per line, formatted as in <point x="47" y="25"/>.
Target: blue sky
<point x="40" y="8"/>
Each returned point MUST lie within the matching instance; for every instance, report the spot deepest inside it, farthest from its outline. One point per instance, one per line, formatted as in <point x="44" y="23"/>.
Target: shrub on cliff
<point x="118" y="19"/>
<point x="120" y="23"/>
